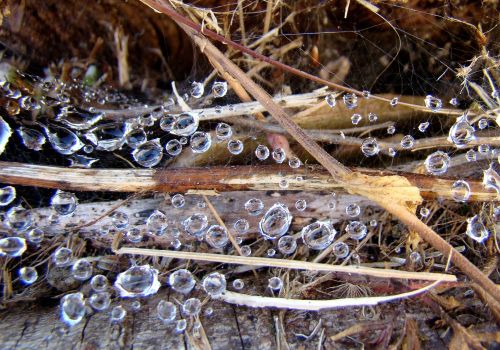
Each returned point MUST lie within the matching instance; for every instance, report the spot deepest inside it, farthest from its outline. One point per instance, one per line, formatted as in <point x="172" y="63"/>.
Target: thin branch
<point x="288" y="264"/>
<point x="314" y="305"/>
<point x="218" y="178"/>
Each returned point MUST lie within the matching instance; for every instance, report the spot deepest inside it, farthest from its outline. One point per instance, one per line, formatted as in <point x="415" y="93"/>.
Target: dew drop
<point x="216" y="236"/>
<point x="318" y="235"/>
<point x="241" y="226"/>
<point x="157" y="223"/>
<point x="491" y="179"/>
<point x="148" y="154"/>
<point x="437" y="163"/>
<point x="137" y="281"/>
<point x="424" y="212"/>
<point x="100" y="301"/>
<point x="28" y="275"/>
<point x="119" y="220"/>
<point x="108" y="137"/>
<point x="254" y="206"/>
<point x="279" y="155"/>
<point x="235" y="147"/>
<point x="180" y="325"/>
<point x="64" y="203"/>
<point x="287" y="245"/>
<point x="394" y="102"/>
<point x="356" y="118"/>
<point x="219" y="88"/>
<point x="294" y="162"/>
<point x="433" y="103"/>
<point x="275" y="283"/>
<point x="200" y="142"/>
<point x="214" y="284"/>
<point x="407" y="142"/>
<point x="301" y="204"/>
<point x="460" y="191"/>
<point x="77" y="118"/>
<point x="62" y="256"/>
<point x="19" y="219"/>
<point x="181" y="281"/>
<point x="167" y="122"/>
<point x="173" y="147"/>
<point x="356" y="230"/>
<point x="275" y="222"/>
<point x="246" y="250"/>
<point x="99" y="283"/>
<point x="12" y="246"/>
<point x="191" y="307"/>
<point x="81" y="161"/>
<point x="353" y="210"/>
<point x="340" y="250"/>
<point x="238" y="284"/>
<point x="391" y="129"/>
<point x="136" y="137"/>
<point x="482" y="123"/>
<point x="223" y="131"/>
<point x="167" y="311"/>
<point x="461" y="133"/>
<point x="7" y="195"/>
<point x="476" y="229"/>
<point x="197" y="89"/>
<point x="372" y="117"/>
<point x="470" y="155"/>
<point x="483" y="149"/>
<point x="72" y="308"/>
<point x="63" y="140"/>
<point x="350" y="101"/>
<point x="81" y="270"/>
<point x="31" y="138"/>
<point x="330" y="100"/>
<point x="118" y="314"/>
<point x="5" y="132"/>
<point x="178" y="201"/>
<point x="195" y="224"/>
<point x="262" y="152"/>
<point x="185" y="124"/>
<point x="422" y="127"/>
<point x="370" y="147"/>
<point x="35" y="236"/>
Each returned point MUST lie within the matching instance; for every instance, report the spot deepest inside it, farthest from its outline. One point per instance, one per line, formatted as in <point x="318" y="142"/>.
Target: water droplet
<point x="178" y="201"/>
<point x="118" y="314"/>
<point x="182" y="281"/>
<point x="7" y="195"/>
<point x="372" y="117"/>
<point x="407" y="142"/>
<point x="275" y="283"/>
<point x="460" y="191"/>
<point x="99" y="283"/>
<point x="437" y="163"/>
<point x="72" y="308"/>
<point x="180" y="326"/>
<point x="424" y="212"/>
<point x="476" y="229"/>
<point x="191" y="307"/>
<point x="294" y="162"/>
<point x="318" y="235"/>
<point x="330" y="100"/>
<point x="350" y="101"/>
<point x="195" y="224"/>
<point x="219" y="89"/>
<point x="223" y="131"/>
<point x="148" y="154"/>
<point x="246" y="250"/>
<point x="167" y="311"/>
<point x="356" y="230"/>
<point x="157" y="223"/>
<point x="119" y="219"/>
<point x="173" y="147"/>
<point x="5" y="132"/>
<point x="19" y="219"/>
<point x="62" y="256"/>
<point x="482" y="123"/>
<point x="356" y="118"/>
<point x="394" y="102"/>
<point x="241" y="226"/>
<point x="28" y="275"/>
<point x="491" y="179"/>
<point x="64" y="203"/>
<point x="433" y="103"/>
<point x="415" y="258"/>
<point x="134" y="235"/>
<point x="238" y="284"/>
<point x="200" y="142"/>
<point x="275" y="222"/>
<point x="454" y="101"/>
<point x="279" y="155"/>
<point x="254" y="206"/>
<point x="271" y="252"/>
<point x="340" y="250"/>
<point x="353" y="210"/>
<point x="167" y="122"/>
<point x="137" y="281"/>
<point x="262" y="152"/>
<point x="12" y="246"/>
<point x="185" y="124"/>
<point x="422" y="127"/>
<point x="197" y="89"/>
<point x="81" y="161"/>
<point x="136" y="137"/>
<point x="483" y="149"/>
<point x="31" y="138"/>
<point x="287" y="245"/>
<point x="214" y="284"/>
<point x="470" y="155"/>
<point x="461" y="133"/>
<point x="108" y="137"/>
<point x="301" y="204"/>
<point x="235" y="146"/>
<point x="366" y="94"/>
<point x="77" y="118"/>
<point x="35" y="236"/>
<point x="63" y="140"/>
<point x="391" y="129"/>
<point x="216" y="236"/>
<point x="82" y="270"/>
<point x="391" y="152"/>
<point x="370" y="147"/>
<point x="100" y="301"/>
